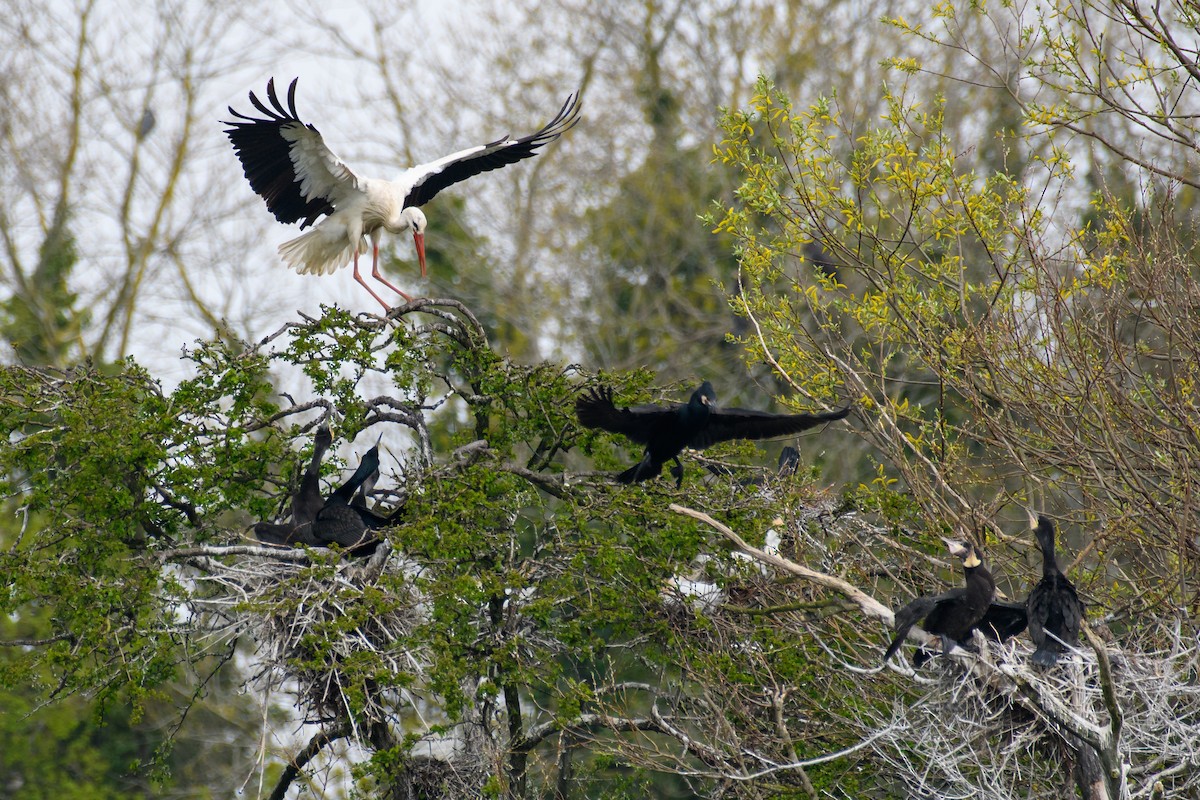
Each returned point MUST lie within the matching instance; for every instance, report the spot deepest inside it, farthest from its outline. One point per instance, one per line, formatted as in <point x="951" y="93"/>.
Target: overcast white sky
<point x="248" y="285"/>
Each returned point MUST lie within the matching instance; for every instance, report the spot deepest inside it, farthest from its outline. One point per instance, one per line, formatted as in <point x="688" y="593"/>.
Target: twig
<point x="314" y="746"/>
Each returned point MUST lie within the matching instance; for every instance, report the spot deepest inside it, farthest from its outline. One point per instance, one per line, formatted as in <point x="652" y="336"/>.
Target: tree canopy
<point x="986" y="248"/>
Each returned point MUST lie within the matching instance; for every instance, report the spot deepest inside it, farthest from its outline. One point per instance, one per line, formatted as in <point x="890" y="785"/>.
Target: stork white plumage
<point x="289" y="165"/>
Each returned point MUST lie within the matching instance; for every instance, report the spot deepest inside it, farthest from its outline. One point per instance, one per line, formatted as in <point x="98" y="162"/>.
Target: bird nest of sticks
<point x="966" y="723"/>
<point x="453" y="765"/>
<point x="327" y="626"/>
<point x="332" y="630"/>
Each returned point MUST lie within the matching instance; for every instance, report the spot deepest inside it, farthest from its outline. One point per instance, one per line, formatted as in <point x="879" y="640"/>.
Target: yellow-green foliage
<point x="989" y="337"/>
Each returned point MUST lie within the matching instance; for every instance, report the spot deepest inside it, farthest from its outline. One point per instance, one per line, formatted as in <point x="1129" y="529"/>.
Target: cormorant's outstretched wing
<point x="1003" y="621"/>
<point x="595" y="409"/>
<point x="919" y="609"/>
<point x="740" y="423"/>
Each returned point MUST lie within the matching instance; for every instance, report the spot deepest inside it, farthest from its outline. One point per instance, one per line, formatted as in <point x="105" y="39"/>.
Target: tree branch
<point x="292" y="554"/>
<point x="867" y="604"/>
<point x="314" y="746"/>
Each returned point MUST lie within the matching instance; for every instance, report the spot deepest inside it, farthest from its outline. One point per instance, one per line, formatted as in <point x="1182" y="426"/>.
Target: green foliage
<point x="517" y="580"/>
<point x="40" y="318"/>
<point x="109" y="471"/>
<point x="979" y="352"/>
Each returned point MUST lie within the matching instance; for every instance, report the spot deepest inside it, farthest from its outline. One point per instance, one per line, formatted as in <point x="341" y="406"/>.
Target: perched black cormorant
<point x="1055" y="612"/>
<point x="1002" y="621"/>
<point x="345" y="519"/>
<point x="789" y="464"/>
<point x="789" y="461"/>
<point x="342" y="519"/>
<point x="306" y="501"/>
<point x="953" y="614"/>
<point x="698" y="423"/>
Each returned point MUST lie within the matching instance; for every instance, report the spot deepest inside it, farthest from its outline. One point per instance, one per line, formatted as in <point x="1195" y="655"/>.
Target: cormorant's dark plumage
<point x="306" y="501"/>
<point x="951" y="614"/>
<point x="698" y="423"/>
<point x="343" y="519"/>
<point x="1055" y="612"/>
<point x="789" y="464"/>
<point x="789" y="461"/>
<point x="1002" y="621"/>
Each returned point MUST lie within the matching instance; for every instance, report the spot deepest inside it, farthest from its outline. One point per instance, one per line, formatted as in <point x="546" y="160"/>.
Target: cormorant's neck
<point x="979" y="576"/>
<point x="1049" y="561"/>
<point x="979" y="583"/>
<point x="369" y="464"/>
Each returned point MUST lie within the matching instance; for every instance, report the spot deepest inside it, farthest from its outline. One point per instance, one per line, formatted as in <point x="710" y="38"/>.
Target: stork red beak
<point x="419" y="241"/>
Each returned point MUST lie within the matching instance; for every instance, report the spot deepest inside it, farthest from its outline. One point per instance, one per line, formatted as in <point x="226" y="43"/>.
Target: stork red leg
<point x="375" y="273"/>
<point x="359" y="278"/>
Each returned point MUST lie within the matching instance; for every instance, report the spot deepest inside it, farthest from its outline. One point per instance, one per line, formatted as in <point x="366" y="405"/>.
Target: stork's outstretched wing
<point x="287" y="162"/>
<point x="426" y="180"/>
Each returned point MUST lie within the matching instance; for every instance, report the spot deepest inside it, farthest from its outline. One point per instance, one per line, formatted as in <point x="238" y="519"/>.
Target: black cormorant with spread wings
<point x="698" y="423"/>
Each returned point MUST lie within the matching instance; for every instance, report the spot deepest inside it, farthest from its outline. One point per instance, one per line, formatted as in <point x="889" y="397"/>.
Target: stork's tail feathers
<point x="317" y="252"/>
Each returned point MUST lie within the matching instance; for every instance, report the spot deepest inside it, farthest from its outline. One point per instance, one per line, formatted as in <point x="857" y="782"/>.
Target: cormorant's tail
<point x="906" y="617"/>
<point x="1045" y="656"/>
<point x="271" y="533"/>
<point x="921" y="655"/>
<point x="894" y="647"/>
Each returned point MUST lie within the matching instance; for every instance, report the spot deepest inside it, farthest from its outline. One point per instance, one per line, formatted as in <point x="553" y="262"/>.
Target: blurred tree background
<point x="976" y="223"/>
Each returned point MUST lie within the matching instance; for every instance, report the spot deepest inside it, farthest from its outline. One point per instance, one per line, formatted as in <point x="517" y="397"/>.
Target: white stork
<point x="299" y="177"/>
